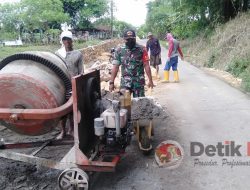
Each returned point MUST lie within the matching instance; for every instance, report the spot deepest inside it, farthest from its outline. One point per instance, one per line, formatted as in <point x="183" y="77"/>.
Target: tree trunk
<point x="246" y="5"/>
<point x="229" y="10"/>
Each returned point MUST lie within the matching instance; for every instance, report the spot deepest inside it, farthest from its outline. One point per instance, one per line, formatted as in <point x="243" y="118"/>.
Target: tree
<point x="142" y="31"/>
<point x="187" y="17"/>
<point x="118" y="26"/>
<point x="10" y="21"/>
<point x="159" y="16"/>
<point x="121" y="26"/>
<point x="82" y="12"/>
<point x="42" y="14"/>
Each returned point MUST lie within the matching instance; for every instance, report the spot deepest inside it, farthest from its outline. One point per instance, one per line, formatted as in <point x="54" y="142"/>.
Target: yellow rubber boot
<point x="176" y="76"/>
<point x="166" y="76"/>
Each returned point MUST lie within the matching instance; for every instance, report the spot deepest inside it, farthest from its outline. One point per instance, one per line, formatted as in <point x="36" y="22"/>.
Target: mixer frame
<point x="87" y="155"/>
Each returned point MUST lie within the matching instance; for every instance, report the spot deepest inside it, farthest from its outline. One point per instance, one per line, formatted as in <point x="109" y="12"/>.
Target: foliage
<point x="246" y="80"/>
<point x="241" y="68"/>
<point x="186" y="18"/>
<point x="28" y="16"/>
<point x="10" y="21"/>
<point x="238" y="66"/>
<point x="158" y="17"/>
<point x="121" y="26"/>
<point x="142" y="31"/>
<point x="82" y="12"/>
<point x="42" y="14"/>
<point x="44" y="17"/>
<point x="118" y="26"/>
<point x="8" y="36"/>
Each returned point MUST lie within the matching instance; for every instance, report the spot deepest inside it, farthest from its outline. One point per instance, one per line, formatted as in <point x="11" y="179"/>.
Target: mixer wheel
<point x="145" y="141"/>
<point x="73" y="179"/>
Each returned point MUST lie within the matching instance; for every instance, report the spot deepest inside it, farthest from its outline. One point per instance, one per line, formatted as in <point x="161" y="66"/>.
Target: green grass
<point x="238" y="66"/>
<point x="7" y="51"/>
<point x="246" y="80"/>
<point x="211" y="60"/>
<point x="241" y="68"/>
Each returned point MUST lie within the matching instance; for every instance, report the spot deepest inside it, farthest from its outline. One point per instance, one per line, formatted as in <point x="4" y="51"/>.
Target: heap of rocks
<point x="93" y="53"/>
<point x="146" y="108"/>
<point x="143" y="108"/>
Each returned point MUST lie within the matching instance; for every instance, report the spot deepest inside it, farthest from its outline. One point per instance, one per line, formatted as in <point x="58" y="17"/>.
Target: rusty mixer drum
<point x="33" y="80"/>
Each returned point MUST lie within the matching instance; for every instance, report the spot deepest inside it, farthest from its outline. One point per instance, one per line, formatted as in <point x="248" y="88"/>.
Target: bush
<point x="8" y="36"/>
<point x="246" y="80"/>
<point x="211" y="60"/>
<point x="239" y="66"/>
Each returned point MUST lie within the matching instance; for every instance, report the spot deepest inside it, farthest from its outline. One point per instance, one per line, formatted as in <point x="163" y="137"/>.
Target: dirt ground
<point x="19" y="175"/>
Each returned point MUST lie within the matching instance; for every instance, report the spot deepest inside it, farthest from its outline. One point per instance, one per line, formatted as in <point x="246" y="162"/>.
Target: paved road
<point x="201" y="108"/>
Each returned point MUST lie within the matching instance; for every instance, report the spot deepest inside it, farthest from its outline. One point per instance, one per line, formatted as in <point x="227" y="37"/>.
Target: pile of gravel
<point x="142" y="108"/>
<point x="146" y="108"/>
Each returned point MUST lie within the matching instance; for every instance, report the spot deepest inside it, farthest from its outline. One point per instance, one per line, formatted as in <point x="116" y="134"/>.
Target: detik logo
<point x="228" y="148"/>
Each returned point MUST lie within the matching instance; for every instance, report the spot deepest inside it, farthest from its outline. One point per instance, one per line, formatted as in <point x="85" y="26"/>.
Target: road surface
<point x="203" y="109"/>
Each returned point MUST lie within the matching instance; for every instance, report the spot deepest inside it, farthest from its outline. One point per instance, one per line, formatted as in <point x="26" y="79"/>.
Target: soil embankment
<point x="226" y="51"/>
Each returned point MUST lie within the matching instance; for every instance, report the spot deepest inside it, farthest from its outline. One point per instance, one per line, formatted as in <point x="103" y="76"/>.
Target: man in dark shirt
<point x="155" y="52"/>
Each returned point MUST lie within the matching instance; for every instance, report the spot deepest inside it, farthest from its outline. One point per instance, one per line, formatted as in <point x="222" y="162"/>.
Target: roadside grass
<point x="241" y="68"/>
<point x="238" y="66"/>
<point x="246" y="80"/>
<point x="225" y="48"/>
<point x="7" y="51"/>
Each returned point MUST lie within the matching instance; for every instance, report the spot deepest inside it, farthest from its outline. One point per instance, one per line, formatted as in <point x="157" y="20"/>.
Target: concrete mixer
<point x="31" y="82"/>
<point x="36" y="91"/>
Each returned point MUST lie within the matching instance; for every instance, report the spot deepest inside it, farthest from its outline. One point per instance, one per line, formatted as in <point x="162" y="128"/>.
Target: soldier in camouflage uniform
<point x="133" y="59"/>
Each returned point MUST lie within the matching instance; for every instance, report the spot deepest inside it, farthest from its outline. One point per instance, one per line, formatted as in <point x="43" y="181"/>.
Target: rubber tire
<point x="145" y="141"/>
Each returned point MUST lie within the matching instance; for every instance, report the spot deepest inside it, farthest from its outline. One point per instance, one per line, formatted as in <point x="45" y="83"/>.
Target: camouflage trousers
<point x="135" y="87"/>
<point x="137" y="92"/>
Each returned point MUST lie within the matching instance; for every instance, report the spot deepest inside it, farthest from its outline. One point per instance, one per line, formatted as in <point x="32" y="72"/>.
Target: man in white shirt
<point x="74" y="62"/>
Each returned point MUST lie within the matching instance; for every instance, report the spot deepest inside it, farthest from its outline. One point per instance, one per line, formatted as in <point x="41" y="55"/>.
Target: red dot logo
<point x="169" y="154"/>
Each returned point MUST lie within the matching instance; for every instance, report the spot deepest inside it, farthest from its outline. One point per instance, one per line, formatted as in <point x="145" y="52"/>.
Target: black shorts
<point x="155" y="60"/>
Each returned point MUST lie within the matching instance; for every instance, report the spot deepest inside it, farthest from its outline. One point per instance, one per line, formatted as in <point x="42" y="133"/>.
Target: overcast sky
<point x="8" y="1"/>
<point x="131" y="11"/>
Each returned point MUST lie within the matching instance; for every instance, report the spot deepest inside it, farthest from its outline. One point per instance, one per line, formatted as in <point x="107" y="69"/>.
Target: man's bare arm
<point x="148" y="72"/>
<point x="114" y="72"/>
